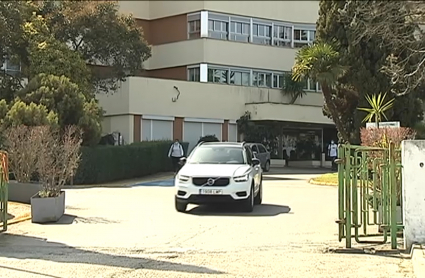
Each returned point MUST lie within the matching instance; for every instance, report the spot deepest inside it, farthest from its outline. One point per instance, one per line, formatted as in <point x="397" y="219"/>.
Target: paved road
<point x="135" y="232"/>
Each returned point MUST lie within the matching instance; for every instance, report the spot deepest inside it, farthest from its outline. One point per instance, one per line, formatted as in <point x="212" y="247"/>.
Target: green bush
<point x="103" y="164"/>
<point x="208" y="138"/>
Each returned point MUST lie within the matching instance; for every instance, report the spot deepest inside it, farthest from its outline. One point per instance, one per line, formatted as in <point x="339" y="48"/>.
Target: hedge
<point x="103" y="164"/>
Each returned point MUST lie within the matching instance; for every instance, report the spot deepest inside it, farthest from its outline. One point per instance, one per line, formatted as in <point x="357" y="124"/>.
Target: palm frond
<point x="320" y="62"/>
<point x="377" y="107"/>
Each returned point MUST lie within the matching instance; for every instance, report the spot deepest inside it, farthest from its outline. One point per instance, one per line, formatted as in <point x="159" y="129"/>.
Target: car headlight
<point x="241" y="178"/>
<point x="184" y="178"/>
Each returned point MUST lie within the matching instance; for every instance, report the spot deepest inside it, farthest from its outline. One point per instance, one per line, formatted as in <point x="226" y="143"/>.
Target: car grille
<point x="217" y="182"/>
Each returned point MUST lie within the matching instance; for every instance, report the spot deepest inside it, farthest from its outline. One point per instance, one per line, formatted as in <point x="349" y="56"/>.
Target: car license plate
<point x="211" y="192"/>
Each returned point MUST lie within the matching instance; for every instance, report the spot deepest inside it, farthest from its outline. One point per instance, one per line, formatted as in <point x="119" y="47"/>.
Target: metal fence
<point x="4" y="179"/>
<point x="369" y="194"/>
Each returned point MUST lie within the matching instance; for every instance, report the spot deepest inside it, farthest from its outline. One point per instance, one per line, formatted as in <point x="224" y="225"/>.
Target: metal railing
<point x="369" y="192"/>
<point x="4" y="179"/>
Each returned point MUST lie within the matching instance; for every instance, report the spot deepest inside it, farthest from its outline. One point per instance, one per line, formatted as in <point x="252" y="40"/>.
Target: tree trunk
<point x="294" y="98"/>
<point x="327" y="94"/>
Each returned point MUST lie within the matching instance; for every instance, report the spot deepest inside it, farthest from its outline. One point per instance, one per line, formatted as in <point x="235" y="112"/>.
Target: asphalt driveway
<point x="135" y="232"/>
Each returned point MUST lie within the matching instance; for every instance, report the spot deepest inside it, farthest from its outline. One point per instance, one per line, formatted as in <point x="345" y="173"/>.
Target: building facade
<point x="211" y="62"/>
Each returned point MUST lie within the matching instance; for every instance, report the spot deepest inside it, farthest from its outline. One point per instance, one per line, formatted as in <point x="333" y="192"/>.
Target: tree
<point x="322" y="63"/>
<point x="395" y="26"/>
<point x="57" y="44"/>
<point x="377" y="108"/>
<point x="366" y="58"/>
<point x="101" y="35"/>
<point x="294" y="89"/>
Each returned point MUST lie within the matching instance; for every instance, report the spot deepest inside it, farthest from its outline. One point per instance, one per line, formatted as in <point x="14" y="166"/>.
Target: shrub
<point x="110" y="163"/>
<point x="381" y="138"/>
<point x="208" y="138"/>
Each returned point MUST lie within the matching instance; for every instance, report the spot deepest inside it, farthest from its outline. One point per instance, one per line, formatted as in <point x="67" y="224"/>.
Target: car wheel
<point x="180" y="206"/>
<point x="259" y="198"/>
<point x="248" y="205"/>
<point x="267" y="166"/>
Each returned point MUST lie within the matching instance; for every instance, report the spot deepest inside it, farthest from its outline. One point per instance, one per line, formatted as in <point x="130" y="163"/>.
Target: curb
<point x="118" y="184"/>
<point x="312" y="181"/>
<point x="24" y="217"/>
<point x="417" y="255"/>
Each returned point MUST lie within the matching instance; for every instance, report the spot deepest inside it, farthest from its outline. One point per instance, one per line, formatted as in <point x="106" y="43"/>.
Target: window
<point x="249" y="155"/>
<point x="262" y="79"/>
<point x="194" y="29"/>
<point x="312" y="85"/>
<point x="262" y="34"/>
<point x="303" y="37"/>
<point x="282" y="35"/>
<point x="218" y="75"/>
<point x="217" y="155"/>
<point x="262" y="148"/>
<point x="218" y="29"/>
<point x="240" y="78"/>
<point x="278" y="80"/>
<point x="11" y="68"/>
<point x="239" y="31"/>
<point x="193" y="74"/>
<point x="254" y="149"/>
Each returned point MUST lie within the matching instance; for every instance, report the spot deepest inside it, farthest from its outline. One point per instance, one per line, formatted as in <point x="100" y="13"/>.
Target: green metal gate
<point x="369" y="194"/>
<point x="4" y="178"/>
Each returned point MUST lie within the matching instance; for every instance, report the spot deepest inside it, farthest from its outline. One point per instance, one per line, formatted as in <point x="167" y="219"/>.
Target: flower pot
<point x="47" y="210"/>
<point x="22" y="192"/>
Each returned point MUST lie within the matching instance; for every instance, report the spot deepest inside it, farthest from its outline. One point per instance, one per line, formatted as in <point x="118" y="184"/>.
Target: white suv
<point x="218" y="172"/>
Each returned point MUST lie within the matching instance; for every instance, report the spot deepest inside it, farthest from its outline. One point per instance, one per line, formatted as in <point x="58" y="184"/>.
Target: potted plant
<point x="20" y="143"/>
<point x="58" y="158"/>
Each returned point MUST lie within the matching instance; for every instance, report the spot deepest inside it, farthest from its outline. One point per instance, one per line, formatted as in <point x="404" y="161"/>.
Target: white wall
<point x="150" y="96"/>
<point x="295" y="11"/>
<point x="120" y="123"/>
<point x="221" y="52"/>
<point x="413" y="176"/>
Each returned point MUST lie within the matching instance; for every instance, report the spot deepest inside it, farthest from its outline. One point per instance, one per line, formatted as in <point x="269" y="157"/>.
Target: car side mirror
<point x="255" y="161"/>
<point x="183" y="161"/>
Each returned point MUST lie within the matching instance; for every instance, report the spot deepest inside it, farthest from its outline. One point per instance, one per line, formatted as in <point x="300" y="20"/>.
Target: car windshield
<point x="217" y="155"/>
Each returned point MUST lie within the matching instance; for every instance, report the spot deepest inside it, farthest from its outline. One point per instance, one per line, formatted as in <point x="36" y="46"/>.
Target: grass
<point x="326" y="179"/>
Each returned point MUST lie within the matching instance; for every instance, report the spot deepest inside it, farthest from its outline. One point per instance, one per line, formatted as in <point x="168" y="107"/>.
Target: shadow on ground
<point x="371" y="251"/>
<point x="26" y="247"/>
<point x="232" y="210"/>
<point x="68" y="219"/>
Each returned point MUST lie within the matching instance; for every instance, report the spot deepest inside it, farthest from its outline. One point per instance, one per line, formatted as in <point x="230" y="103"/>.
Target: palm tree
<point x="295" y="89"/>
<point x="321" y="62"/>
<point x="377" y="108"/>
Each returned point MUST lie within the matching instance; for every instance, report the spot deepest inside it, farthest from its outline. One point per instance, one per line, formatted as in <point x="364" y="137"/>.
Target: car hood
<point x="213" y="170"/>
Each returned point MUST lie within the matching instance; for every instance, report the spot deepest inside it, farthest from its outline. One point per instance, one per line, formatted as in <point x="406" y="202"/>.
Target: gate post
<point x="393" y="194"/>
<point x="341" y="184"/>
<point x="4" y="194"/>
<point x="348" y="180"/>
<point x="413" y="176"/>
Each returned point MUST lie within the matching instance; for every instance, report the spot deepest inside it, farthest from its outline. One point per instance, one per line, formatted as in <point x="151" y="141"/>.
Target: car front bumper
<point x="190" y="193"/>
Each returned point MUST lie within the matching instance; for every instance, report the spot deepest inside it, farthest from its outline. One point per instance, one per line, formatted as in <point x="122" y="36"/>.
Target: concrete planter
<point x="22" y="192"/>
<point x="46" y="210"/>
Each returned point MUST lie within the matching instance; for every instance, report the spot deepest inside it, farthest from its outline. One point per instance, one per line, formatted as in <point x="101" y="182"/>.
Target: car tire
<point x="248" y="205"/>
<point x="259" y="198"/>
<point x="267" y="166"/>
<point x="180" y="206"/>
